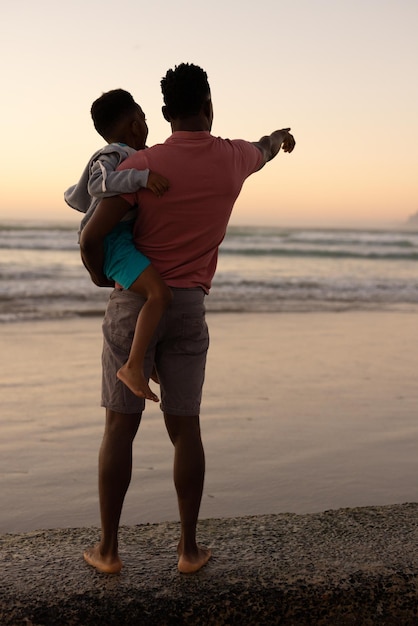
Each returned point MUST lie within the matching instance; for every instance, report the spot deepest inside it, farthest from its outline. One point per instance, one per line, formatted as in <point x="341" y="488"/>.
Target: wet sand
<point x="302" y="413"/>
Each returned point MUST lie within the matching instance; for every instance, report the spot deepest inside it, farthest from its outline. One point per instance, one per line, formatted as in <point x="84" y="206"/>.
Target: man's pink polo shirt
<point x="181" y="231"/>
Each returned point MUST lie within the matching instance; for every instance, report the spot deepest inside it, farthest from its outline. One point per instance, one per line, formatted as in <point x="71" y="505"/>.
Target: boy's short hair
<point x="108" y="110"/>
<point x="185" y="89"/>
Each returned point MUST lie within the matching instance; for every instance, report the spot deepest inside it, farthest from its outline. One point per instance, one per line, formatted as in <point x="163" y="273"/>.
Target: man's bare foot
<point x="93" y="557"/>
<point x="188" y="564"/>
<point x="136" y="382"/>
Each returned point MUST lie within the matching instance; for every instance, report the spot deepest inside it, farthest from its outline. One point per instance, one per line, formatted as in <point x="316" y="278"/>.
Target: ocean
<point x="259" y="270"/>
<point x="312" y="413"/>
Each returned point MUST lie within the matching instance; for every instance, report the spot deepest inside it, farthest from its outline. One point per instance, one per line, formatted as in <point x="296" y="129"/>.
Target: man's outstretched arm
<point x="269" y="145"/>
<point x="108" y="213"/>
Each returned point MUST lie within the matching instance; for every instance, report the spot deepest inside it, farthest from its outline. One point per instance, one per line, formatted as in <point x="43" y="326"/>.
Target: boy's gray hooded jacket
<point x="100" y="180"/>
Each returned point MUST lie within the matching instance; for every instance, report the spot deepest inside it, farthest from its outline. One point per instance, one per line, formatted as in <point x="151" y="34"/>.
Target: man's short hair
<point x="185" y="89"/>
<point x="110" y="109"/>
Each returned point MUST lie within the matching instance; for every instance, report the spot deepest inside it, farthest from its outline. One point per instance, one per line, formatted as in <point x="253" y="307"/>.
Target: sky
<point x="341" y="74"/>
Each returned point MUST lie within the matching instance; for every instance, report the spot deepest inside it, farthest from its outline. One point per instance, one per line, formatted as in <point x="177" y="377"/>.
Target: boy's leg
<point x="115" y="469"/>
<point x="189" y="473"/>
<point x="158" y="297"/>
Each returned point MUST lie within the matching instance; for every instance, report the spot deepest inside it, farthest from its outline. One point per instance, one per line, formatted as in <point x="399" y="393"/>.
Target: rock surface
<point x="349" y="566"/>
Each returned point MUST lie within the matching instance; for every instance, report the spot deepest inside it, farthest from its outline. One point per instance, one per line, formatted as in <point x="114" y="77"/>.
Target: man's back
<point x="180" y="232"/>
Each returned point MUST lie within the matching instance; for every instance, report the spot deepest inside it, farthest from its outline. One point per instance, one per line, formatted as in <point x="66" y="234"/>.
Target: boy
<point x="121" y="122"/>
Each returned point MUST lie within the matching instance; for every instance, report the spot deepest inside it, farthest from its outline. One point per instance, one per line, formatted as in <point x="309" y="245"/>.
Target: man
<point x="180" y="233"/>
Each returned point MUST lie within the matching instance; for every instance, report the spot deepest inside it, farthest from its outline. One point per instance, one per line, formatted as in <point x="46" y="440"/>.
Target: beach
<point x="302" y="413"/>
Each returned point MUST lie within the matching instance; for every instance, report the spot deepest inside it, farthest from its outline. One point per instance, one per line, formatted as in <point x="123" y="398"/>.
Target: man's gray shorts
<point x="178" y="349"/>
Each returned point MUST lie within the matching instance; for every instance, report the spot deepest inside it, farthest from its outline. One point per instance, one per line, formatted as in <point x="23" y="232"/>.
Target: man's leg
<point x="189" y="474"/>
<point x="115" y="469"/>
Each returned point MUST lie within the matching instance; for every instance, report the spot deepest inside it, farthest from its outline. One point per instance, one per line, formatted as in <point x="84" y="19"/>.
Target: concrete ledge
<point x="344" y="567"/>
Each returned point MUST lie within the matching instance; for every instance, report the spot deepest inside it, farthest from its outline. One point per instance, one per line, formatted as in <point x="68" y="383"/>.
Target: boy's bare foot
<point x="188" y="564"/>
<point x="93" y="557"/>
<point x="136" y="382"/>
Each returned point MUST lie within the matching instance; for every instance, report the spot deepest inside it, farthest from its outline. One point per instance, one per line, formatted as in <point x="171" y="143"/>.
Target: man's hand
<point x="102" y="281"/>
<point x="98" y="279"/>
<point x="157" y="184"/>
<point x="270" y="145"/>
<point x="288" y="142"/>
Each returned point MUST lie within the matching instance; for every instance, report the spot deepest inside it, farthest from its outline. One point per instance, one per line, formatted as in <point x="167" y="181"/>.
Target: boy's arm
<point x="104" y="181"/>
<point x="270" y="145"/>
<point x="108" y="213"/>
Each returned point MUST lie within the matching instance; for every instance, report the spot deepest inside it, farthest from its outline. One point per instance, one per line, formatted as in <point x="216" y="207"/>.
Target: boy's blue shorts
<point x="123" y="262"/>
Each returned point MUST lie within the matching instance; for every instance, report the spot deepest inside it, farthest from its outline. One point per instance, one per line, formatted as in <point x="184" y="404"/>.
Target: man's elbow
<point x="89" y="242"/>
